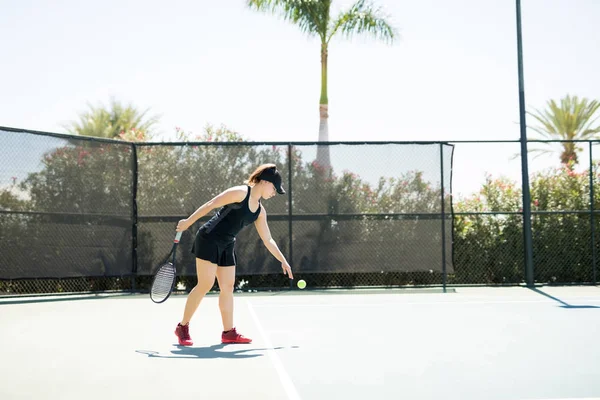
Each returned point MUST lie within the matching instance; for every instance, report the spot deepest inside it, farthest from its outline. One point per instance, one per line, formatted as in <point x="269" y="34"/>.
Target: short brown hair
<point x="254" y="176"/>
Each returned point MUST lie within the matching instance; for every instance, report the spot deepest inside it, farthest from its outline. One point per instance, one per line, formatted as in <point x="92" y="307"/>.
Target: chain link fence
<point x="81" y="214"/>
<point x="488" y="223"/>
<point x="345" y="222"/>
<point x="85" y="215"/>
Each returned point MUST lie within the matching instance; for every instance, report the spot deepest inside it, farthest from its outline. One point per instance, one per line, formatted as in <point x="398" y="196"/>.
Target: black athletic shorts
<point x="209" y="248"/>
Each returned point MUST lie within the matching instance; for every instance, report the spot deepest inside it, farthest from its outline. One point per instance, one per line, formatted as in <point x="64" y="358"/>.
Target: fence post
<point x="592" y="222"/>
<point x="134" y="219"/>
<point x="528" y="241"/>
<point x="290" y="170"/>
<point x="442" y="190"/>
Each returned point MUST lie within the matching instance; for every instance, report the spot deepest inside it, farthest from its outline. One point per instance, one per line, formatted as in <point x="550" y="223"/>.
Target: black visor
<point x="273" y="176"/>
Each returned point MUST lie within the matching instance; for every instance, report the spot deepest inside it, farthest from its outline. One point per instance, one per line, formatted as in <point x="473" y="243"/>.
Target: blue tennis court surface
<point x="469" y="343"/>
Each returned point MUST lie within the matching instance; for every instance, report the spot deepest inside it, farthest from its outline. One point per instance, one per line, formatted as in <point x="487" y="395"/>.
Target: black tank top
<point x="230" y="220"/>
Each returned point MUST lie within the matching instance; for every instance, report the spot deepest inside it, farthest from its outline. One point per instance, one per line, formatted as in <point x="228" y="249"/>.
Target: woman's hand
<point x="183" y="225"/>
<point x="287" y="270"/>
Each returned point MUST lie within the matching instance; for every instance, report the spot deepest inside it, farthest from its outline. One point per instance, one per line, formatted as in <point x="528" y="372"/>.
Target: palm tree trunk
<point x="323" y="158"/>
<point x="569" y="155"/>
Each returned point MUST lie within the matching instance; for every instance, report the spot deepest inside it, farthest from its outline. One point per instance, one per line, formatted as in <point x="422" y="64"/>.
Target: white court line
<point x="571" y="302"/>
<point x="286" y="382"/>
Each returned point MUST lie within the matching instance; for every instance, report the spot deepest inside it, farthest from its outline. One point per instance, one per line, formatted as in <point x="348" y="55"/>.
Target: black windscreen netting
<point x="69" y="205"/>
<point x="376" y="208"/>
<point x="66" y="206"/>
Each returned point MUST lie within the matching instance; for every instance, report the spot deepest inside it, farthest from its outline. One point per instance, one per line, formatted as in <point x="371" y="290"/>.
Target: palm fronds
<point x="363" y="17"/>
<point x="572" y="119"/>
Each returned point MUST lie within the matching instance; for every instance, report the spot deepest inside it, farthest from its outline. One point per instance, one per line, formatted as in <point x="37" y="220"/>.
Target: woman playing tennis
<point x="239" y="206"/>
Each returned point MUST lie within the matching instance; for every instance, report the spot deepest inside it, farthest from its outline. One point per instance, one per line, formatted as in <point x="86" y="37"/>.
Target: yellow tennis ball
<point x="301" y="283"/>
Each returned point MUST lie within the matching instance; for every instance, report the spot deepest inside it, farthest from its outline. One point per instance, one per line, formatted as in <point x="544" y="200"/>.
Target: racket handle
<point x="177" y="237"/>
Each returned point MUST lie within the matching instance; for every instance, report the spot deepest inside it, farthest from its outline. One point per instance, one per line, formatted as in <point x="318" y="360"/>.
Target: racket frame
<point x="171" y="264"/>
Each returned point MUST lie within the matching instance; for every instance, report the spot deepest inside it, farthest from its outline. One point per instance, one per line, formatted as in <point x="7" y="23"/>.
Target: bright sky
<point x="452" y="74"/>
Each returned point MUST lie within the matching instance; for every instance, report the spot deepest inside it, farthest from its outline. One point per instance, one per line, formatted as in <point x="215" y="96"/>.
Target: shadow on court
<point x="563" y="303"/>
<point x="213" y="351"/>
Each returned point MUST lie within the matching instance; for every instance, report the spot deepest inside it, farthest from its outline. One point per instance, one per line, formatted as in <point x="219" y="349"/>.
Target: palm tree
<point x="115" y="122"/>
<point x="571" y="120"/>
<point x="314" y="18"/>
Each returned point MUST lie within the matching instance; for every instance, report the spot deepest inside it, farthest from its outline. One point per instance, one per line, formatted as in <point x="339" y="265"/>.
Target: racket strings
<point x="163" y="282"/>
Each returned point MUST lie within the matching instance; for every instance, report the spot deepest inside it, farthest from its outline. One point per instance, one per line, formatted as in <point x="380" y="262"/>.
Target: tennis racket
<point x="164" y="279"/>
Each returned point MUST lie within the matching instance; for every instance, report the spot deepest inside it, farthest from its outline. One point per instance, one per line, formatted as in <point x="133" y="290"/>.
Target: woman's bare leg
<point x="226" y="279"/>
<point x="206" y="272"/>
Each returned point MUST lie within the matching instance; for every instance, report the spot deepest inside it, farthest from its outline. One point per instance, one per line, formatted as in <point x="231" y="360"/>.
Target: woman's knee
<point x="226" y="287"/>
<point x="203" y="287"/>
<point x="206" y="272"/>
<point x="226" y="279"/>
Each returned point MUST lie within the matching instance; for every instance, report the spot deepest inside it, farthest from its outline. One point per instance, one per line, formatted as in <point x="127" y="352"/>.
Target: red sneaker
<point x="183" y="334"/>
<point x="233" y="337"/>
